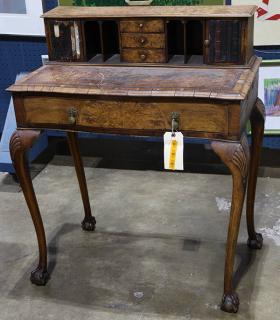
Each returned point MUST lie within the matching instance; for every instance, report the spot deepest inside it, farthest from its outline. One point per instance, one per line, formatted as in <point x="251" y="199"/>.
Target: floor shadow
<point x="11" y="257"/>
<point x="120" y="237"/>
<point x="245" y="279"/>
<point x="9" y="182"/>
<point x="131" y="272"/>
<point x="247" y="258"/>
<point x="53" y="245"/>
<point x="246" y="274"/>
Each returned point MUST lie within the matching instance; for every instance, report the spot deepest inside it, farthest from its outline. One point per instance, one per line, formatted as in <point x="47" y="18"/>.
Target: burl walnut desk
<point x="131" y="70"/>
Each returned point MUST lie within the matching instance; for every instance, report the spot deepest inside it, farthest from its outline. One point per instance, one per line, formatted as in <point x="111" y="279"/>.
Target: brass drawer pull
<point x="142" y="40"/>
<point x="141" y="25"/>
<point x="143" y="57"/>
<point x="175" y="120"/>
<point x="206" y="43"/>
<point x="72" y="115"/>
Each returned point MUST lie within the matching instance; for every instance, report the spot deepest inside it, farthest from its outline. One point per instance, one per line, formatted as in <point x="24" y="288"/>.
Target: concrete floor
<point x="157" y="253"/>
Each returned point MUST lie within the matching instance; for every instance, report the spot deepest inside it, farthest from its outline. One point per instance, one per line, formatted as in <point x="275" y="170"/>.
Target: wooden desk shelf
<point x="134" y="36"/>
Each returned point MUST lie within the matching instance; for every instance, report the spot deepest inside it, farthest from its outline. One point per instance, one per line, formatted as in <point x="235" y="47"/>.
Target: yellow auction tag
<point x="172" y="156"/>
<point x="173" y="151"/>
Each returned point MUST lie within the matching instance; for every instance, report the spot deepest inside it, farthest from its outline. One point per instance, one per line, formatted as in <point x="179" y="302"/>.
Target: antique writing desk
<point x="131" y="71"/>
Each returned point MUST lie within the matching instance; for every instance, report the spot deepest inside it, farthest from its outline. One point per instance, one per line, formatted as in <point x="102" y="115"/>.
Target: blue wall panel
<point x="19" y="54"/>
<point x="268" y="52"/>
<point x="49" y="4"/>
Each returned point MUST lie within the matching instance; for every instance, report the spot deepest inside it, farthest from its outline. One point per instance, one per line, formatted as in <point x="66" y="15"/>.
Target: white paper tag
<point x="73" y="41"/>
<point x="77" y="39"/>
<point x="173" y="151"/>
<point x="56" y="30"/>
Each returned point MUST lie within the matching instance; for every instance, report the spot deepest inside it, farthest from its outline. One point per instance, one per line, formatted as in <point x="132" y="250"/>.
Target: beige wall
<point x="266" y="32"/>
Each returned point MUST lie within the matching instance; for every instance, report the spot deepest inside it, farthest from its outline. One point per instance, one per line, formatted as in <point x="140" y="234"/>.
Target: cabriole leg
<point x="236" y="157"/>
<point x="21" y="141"/>
<point x="89" y="221"/>
<point x="257" y="118"/>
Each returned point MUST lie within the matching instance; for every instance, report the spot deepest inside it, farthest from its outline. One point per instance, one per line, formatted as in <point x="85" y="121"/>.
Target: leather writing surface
<point x="230" y="83"/>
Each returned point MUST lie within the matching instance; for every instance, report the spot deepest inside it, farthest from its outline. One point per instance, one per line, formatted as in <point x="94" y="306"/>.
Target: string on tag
<point x="172" y="128"/>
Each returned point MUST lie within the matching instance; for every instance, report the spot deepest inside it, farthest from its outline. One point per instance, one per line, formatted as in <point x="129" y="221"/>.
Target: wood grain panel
<point x="138" y="40"/>
<point x="151" y="11"/>
<point x="142" y="25"/>
<point x="143" y="55"/>
<point x="124" y="114"/>
<point x="249" y="39"/>
<point x="248" y="104"/>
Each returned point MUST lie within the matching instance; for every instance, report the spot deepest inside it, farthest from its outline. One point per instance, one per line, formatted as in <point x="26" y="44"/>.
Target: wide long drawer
<point x="118" y="114"/>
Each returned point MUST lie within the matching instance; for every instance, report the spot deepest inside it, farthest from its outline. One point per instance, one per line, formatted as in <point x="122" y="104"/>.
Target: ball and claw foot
<point x="230" y="303"/>
<point x="255" y="243"/>
<point x="88" y="224"/>
<point x="39" y="276"/>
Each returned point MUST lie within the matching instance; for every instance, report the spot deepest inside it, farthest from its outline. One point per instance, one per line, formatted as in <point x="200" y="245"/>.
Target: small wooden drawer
<point x="141" y="25"/>
<point x="139" y="40"/>
<point x="143" y="55"/>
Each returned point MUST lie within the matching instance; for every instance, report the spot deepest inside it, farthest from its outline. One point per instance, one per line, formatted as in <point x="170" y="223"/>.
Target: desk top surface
<point x="202" y="82"/>
<point x="151" y="11"/>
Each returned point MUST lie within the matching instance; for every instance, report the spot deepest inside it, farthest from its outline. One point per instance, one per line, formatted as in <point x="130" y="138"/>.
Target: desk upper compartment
<point x="188" y="34"/>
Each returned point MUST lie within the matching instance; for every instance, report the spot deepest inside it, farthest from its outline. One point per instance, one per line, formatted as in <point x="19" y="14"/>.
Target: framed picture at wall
<point x="267" y="21"/>
<point x="269" y="93"/>
<point x="21" y="17"/>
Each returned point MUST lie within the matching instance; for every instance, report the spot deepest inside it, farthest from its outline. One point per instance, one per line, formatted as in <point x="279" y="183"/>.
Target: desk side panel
<point x="248" y="104"/>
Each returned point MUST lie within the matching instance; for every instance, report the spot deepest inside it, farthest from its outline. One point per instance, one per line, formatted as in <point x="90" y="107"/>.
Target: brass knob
<point x="141" y="25"/>
<point x="72" y="115"/>
<point x="175" y="119"/>
<point x="206" y="43"/>
<point x="142" y="40"/>
<point x="143" y="57"/>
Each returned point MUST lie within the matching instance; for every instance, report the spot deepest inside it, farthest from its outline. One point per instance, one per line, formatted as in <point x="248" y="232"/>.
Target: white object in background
<point x="267" y="27"/>
<point x="45" y="59"/>
<point x="173" y="151"/>
<point x="21" y="17"/>
<point x="138" y="2"/>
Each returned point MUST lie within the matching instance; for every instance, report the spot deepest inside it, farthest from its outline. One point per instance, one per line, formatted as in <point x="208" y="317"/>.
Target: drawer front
<point x="139" y="40"/>
<point x="143" y="55"/>
<point x="151" y="115"/>
<point x="142" y="25"/>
